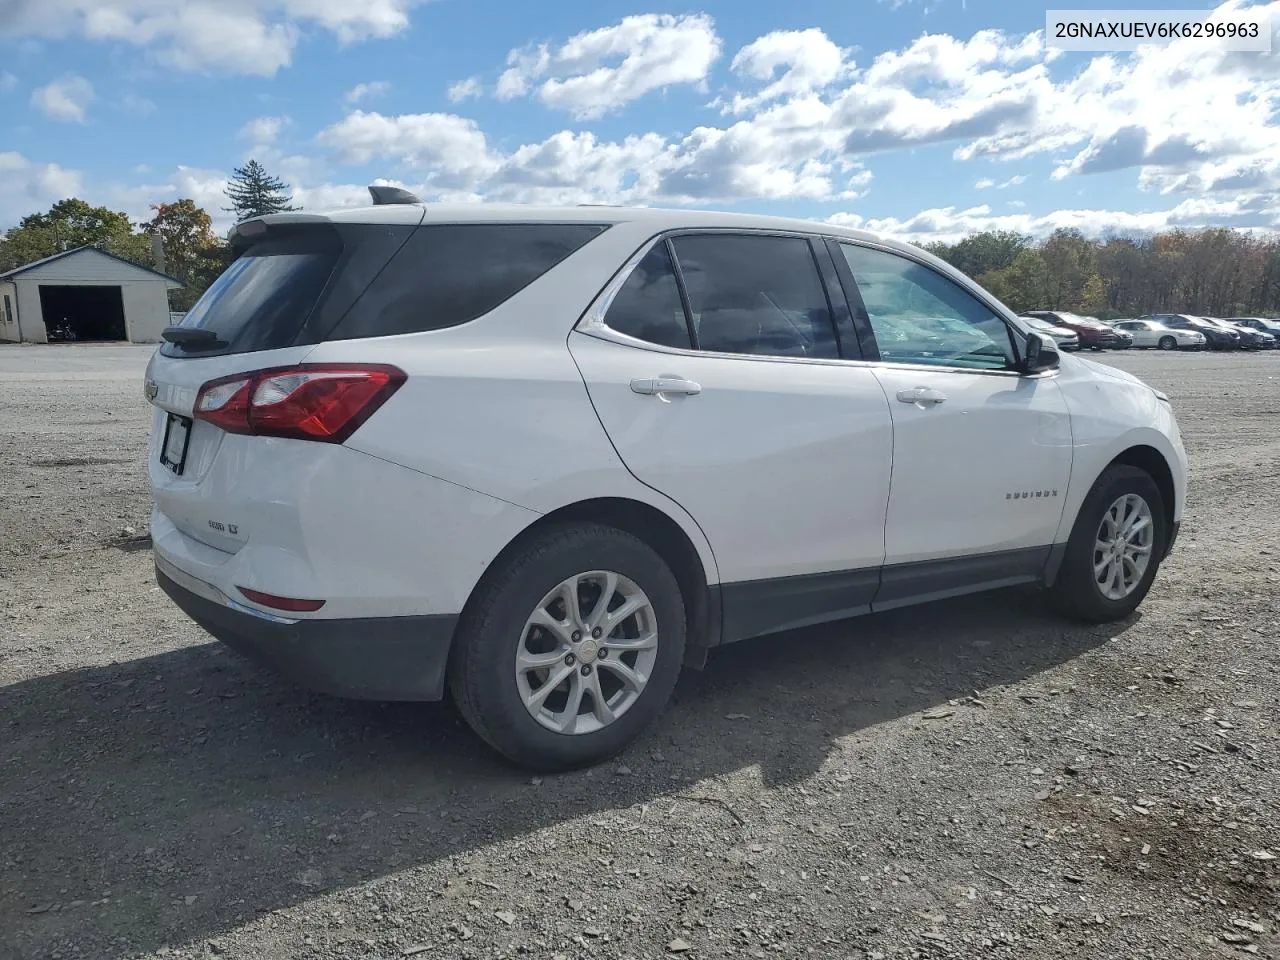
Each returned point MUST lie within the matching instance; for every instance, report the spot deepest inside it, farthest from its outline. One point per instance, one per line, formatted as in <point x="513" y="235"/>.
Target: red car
<point x="1094" y="334"/>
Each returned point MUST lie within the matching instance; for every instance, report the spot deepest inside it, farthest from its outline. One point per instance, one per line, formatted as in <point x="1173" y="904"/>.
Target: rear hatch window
<point x="263" y="299"/>
<point x="315" y="283"/>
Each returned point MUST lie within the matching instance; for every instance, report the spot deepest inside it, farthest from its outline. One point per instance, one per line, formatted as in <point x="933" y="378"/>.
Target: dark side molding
<point x="753" y="608"/>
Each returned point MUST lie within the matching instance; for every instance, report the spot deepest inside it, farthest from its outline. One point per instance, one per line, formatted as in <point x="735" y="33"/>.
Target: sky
<point x="925" y="119"/>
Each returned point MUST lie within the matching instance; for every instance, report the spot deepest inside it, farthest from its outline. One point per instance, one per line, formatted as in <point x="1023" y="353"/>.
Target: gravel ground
<point x="969" y="779"/>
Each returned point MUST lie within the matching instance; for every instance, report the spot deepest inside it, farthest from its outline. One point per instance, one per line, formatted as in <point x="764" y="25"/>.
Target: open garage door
<point x="82" y="312"/>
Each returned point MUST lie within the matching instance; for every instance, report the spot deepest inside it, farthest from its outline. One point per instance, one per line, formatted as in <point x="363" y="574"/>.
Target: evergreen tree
<point x="253" y="192"/>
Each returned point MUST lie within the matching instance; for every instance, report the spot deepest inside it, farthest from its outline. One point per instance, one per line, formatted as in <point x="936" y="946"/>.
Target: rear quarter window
<point x="450" y="274"/>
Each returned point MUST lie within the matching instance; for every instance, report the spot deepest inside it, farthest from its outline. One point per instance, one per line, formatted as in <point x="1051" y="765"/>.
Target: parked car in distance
<point x="1218" y="338"/>
<point x="544" y="457"/>
<point x="1093" y="334"/>
<point x="1149" y="333"/>
<point x="1250" y="339"/>
<point x="1065" y="339"/>
<point x="1261" y="324"/>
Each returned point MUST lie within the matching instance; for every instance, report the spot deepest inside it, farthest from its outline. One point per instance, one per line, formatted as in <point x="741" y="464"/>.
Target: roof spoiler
<point x="255" y="228"/>
<point x="383" y="196"/>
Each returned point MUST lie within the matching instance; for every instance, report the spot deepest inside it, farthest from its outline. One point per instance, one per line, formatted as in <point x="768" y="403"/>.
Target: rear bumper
<point x="384" y="658"/>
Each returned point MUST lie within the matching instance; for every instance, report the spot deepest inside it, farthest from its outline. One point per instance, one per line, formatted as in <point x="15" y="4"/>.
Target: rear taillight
<point x="318" y="401"/>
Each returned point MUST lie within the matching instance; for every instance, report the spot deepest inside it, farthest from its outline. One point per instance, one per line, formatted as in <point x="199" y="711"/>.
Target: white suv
<point x="544" y="457"/>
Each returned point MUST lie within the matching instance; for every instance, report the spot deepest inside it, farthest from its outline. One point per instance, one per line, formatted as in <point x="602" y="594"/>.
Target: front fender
<point x="1113" y="412"/>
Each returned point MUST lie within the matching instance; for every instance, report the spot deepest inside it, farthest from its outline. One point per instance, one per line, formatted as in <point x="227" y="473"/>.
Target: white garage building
<point x="84" y="294"/>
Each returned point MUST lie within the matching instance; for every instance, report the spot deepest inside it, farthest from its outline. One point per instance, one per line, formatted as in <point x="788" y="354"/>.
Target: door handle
<point x="922" y="396"/>
<point x="661" y="386"/>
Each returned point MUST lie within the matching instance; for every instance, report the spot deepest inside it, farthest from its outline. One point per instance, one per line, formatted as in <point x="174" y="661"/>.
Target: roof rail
<point x="389" y="195"/>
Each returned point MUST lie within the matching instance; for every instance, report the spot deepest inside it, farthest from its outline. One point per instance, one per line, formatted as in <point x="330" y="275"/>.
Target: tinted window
<point x="919" y="316"/>
<point x="756" y="295"/>
<point x="449" y="274"/>
<point x="648" y="306"/>
<point x="262" y="300"/>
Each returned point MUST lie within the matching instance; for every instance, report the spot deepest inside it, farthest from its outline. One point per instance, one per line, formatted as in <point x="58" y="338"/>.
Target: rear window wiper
<point x="193" y="337"/>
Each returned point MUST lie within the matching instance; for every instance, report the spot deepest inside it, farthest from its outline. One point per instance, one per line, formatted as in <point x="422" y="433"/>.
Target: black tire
<point x="482" y="666"/>
<point x="1168" y="343"/>
<point x="1075" y="593"/>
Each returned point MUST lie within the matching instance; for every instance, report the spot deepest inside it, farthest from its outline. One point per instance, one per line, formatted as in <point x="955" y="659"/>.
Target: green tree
<point x="1093" y="298"/>
<point x="253" y="192"/>
<point x="69" y="224"/>
<point x="1023" y="285"/>
<point x="987" y="251"/>
<point x="1071" y="260"/>
<point x="192" y="252"/>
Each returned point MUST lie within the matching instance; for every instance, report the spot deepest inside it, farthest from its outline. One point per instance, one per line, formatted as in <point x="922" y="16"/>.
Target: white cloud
<point x="465" y="89"/>
<point x="784" y="152"/>
<point x="807" y="59"/>
<point x="452" y="147"/>
<point x="1184" y="116"/>
<point x="790" y="150"/>
<point x="263" y="131"/>
<point x="27" y="187"/>
<point x="66" y="99"/>
<point x="237" y="36"/>
<point x="366" y="91"/>
<point x="947" y="224"/>
<point x="599" y="71"/>
<point x="8" y="82"/>
<point x="577" y="168"/>
<point x="986" y="183"/>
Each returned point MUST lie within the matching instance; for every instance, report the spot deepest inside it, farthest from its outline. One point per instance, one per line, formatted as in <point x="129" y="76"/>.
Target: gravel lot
<point x="970" y="779"/>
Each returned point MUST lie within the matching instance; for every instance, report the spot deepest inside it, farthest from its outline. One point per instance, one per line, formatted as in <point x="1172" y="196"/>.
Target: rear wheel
<point x="1116" y="547"/>
<point x="1168" y="343"/>
<point x="571" y="648"/>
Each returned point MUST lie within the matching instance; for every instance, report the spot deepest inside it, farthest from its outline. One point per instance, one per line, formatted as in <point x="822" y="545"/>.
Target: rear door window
<point x="756" y="295"/>
<point x="449" y="274"/>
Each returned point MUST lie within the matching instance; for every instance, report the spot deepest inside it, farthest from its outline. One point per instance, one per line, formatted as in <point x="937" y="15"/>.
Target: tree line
<point x="1213" y="272"/>
<point x="193" y="253"/>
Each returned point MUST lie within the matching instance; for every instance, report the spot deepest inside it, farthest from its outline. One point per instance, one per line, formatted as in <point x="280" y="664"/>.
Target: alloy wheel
<point x="1123" y="546"/>
<point x="587" y="652"/>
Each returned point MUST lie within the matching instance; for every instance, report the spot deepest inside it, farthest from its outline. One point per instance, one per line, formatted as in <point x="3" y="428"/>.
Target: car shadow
<point x="175" y="796"/>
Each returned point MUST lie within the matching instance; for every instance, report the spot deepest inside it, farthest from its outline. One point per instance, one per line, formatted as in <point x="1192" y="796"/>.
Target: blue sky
<point x="922" y="118"/>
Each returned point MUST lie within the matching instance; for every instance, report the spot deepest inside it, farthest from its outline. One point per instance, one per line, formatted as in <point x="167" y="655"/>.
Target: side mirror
<point x="1041" y="354"/>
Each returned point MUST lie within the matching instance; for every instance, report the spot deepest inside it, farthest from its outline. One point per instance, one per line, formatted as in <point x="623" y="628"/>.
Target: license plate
<point x="177" y="434"/>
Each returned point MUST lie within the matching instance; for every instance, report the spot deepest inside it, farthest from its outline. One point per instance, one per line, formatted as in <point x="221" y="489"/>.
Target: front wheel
<point x="1168" y="343"/>
<point x="570" y="648"/>
<point x="1115" y="548"/>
